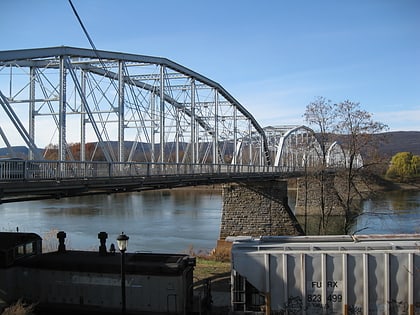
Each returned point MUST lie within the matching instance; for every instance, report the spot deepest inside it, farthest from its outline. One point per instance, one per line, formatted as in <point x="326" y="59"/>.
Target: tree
<point x="319" y="113"/>
<point x="51" y="152"/>
<point x="354" y="128"/>
<point x="357" y="127"/>
<point x="92" y="151"/>
<point x="416" y="164"/>
<point x="404" y="165"/>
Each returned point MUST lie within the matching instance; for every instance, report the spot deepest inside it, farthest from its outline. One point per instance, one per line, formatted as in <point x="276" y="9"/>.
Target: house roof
<point x="10" y="240"/>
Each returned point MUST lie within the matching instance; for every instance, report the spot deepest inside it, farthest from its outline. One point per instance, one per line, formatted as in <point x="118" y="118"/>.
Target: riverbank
<point x="408" y="186"/>
<point x="377" y="184"/>
<point x="382" y="185"/>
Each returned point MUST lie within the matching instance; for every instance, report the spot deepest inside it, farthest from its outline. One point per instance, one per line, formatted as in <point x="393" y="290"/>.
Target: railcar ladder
<point x="238" y="297"/>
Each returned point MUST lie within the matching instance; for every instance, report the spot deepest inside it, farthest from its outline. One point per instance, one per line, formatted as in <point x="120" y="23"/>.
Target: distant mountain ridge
<point x="396" y="141"/>
<point x="400" y="141"/>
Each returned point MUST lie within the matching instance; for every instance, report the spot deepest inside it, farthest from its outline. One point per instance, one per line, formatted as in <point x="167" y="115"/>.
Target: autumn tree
<point x="92" y="152"/>
<point x="74" y="148"/>
<point x="51" y="152"/>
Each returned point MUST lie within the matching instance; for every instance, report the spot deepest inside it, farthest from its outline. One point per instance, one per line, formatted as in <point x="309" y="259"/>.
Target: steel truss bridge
<point x="110" y="115"/>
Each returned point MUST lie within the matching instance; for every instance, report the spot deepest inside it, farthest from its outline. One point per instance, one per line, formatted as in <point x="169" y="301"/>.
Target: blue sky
<point x="273" y="56"/>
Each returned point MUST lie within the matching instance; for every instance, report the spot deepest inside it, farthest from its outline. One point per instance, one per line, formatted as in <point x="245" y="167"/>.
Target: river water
<point x="176" y="221"/>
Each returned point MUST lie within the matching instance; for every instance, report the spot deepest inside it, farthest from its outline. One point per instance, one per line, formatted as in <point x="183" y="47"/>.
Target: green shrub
<point x="404" y="166"/>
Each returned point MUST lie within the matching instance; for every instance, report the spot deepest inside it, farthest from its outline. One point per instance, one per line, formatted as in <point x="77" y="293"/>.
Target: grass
<point x="210" y="268"/>
<point x="214" y="264"/>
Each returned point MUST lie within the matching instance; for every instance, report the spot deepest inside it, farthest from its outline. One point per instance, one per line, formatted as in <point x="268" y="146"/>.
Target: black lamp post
<point x="122" y="241"/>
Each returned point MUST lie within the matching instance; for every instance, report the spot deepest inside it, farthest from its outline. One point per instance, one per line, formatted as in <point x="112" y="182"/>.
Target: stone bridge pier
<point x="257" y="208"/>
<point x="308" y="195"/>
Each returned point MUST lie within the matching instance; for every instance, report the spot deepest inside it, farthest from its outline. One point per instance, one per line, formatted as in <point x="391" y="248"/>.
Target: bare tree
<point x="354" y="129"/>
<point x="357" y="128"/>
<point x="320" y="114"/>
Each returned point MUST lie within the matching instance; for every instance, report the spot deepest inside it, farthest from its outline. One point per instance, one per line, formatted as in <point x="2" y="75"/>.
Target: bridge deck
<point x="30" y="180"/>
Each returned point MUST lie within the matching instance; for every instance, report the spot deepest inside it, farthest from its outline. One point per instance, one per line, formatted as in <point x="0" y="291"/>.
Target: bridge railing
<point x="18" y="169"/>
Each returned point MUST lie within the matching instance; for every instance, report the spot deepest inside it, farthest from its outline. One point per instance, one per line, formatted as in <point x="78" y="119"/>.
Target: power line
<point x="83" y="27"/>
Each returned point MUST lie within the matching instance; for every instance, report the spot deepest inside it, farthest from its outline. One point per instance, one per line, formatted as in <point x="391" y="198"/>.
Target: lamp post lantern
<point x="122" y="242"/>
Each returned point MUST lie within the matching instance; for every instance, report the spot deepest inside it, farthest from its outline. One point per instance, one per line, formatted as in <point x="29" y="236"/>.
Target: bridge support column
<point x="257" y="208"/>
<point x="308" y="196"/>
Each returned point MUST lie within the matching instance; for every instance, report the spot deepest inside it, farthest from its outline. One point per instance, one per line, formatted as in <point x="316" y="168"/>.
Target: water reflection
<point x="335" y="224"/>
<point x="394" y="212"/>
<point x="391" y="212"/>
<point x="156" y="221"/>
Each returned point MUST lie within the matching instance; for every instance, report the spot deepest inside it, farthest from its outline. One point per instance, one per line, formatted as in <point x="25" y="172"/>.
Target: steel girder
<point x="133" y="107"/>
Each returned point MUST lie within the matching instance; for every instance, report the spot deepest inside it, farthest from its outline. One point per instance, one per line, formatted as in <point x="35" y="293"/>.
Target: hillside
<point x="397" y="141"/>
<point x="401" y="141"/>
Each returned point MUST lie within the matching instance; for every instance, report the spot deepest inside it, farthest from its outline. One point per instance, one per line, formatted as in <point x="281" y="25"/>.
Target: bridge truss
<point x="296" y="148"/>
<point x="122" y="107"/>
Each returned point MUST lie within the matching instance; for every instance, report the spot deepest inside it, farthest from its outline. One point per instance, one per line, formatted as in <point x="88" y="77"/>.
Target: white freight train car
<point x="370" y="274"/>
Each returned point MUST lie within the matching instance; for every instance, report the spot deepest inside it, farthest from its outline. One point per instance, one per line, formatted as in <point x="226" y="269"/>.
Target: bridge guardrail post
<point x="87" y="168"/>
<point x="25" y="170"/>
<point x="57" y="170"/>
